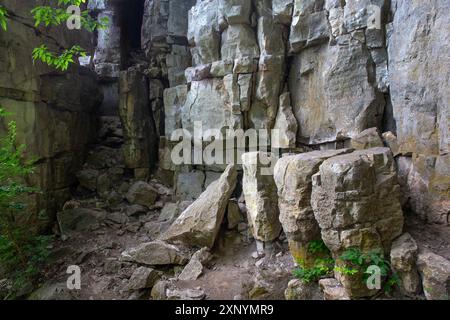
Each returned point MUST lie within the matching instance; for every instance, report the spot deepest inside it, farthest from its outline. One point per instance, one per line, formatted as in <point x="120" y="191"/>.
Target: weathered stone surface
<point x="425" y="181"/>
<point x="155" y="253"/>
<point x="239" y="41"/>
<point x="174" y="99"/>
<point x="261" y="196"/>
<point x="418" y="73"/>
<point x="355" y="199"/>
<point x="286" y="124"/>
<point x="293" y="177"/>
<point x="324" y="81"/>
<point x="203" y="32"/>
<point x="234" y="215"/>
<point x="282" y="11"/>
<point x="189" y="185"/>
<point x="54" y="111"/>
<point x="221" y="68"/>
<point x="309" y="25"/>
<point x="194" y="268"/>
<point x="208" y="102"/>
<point x="235" y="11"/>
<point x="403" y="260"/>
<point x="199" y="224"/>
<point x="333" y="290"/>
<point x="367" y="139"/>
<point x="298" y="290"/>
<point x="435" y="272"/>
<point x="142" y="193"/>
<point x="390" y="140"/>
<point x="139" y="129"/>
<point x="143" y="278"/>
<point x="79" y="220"/>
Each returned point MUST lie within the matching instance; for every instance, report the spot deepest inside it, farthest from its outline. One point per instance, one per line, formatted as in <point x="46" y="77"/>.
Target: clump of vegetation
<point x="323" y="266"/>
<point x="357" y="264"/>
<point x="22" y="252"/>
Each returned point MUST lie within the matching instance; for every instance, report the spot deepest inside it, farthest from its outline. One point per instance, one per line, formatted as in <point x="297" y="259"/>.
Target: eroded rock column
<point x="261" y="196"/>
<point x="293" y="177"/>
<point x="355" y="198"/>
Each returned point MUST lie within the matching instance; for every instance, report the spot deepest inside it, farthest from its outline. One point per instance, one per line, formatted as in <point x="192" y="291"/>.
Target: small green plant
<point x="22" y="252"/>
<point x="359" y="262"/>
<point x="356" y="263"/>
<point x="3" y="18"/>
<point x="322" y="266"/>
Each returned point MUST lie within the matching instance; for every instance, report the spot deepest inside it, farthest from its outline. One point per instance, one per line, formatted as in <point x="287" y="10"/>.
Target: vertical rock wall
<point x="54" y="111"/>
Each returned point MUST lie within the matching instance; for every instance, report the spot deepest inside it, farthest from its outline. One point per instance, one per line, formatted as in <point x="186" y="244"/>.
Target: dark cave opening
<point x="132" y="13"/>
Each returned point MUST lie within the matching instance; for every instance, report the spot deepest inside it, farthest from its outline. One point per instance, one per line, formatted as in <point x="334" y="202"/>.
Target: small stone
<point x="142" y="193"/>
<point x="333" y="290"/>
<point x="143" y="278"/>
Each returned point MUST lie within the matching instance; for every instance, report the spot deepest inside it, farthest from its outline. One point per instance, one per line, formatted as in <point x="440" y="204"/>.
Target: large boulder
<point x="156" y="253"/>
<point x="293" y="177"/>
<point x="435" y="272"/>
<point x="261" y="196"/>
<point x="403" y="260"/>
<point x="199" y="224"/>
<point x="356" y="202"/>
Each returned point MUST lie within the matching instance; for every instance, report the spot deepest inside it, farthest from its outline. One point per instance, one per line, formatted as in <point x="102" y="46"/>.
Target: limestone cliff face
<point x="347" y="66"/>
<point x="54" y="111"/>
<point x="321" y="70"/>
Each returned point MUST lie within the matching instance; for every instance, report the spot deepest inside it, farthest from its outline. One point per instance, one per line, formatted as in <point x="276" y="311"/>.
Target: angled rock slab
<point x="155" y="253"/>
<point x="199" y="224"/>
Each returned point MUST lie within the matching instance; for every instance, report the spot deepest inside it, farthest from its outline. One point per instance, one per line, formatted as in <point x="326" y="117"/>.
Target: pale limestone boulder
<point x="293" y="177"/>
<point x="356" y="202"/>
<point x="199" y="224"/>
<point x="435" y="272"/>
<point x="143" y="278"/>
<point x="333" y="290"/>
<point x="194" y="268"/>
<point x="155" y="253"/>
<point x="298" y="290"/>
<point x="261" y="196"/>
<point x="403" y="260"/>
